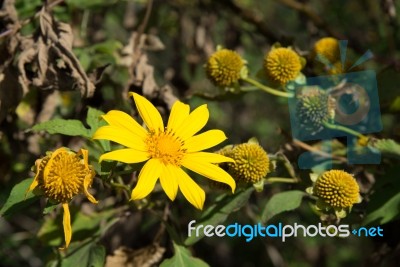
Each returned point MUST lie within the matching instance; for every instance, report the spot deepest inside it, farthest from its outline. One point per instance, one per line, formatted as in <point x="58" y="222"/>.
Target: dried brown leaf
<point x="144" y="257"/>
<point x="49" y="55"/>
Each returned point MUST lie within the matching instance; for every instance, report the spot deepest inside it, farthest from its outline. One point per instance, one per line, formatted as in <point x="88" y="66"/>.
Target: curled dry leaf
<point x="134" y="56"/>
<point x="144" y="257"/>
<point x="49" y="58"/>
<point x="10" y="91"/>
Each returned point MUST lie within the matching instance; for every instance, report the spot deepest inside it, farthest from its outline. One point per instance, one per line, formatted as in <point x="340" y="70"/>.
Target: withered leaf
<point x="47" y="60"/>
<point x="144" y="257"/>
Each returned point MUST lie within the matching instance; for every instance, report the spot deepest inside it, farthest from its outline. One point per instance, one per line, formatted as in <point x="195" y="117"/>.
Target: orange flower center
<point x="166" y="147"/>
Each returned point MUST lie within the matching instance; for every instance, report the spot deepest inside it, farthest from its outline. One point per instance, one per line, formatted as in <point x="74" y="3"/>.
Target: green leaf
<point x="183" y="258"/>
<point x="61" y="126"/>
<point x="386" y="213"/>
<point x="17" y="199"/>
<point x="50" y="206"/>
<point x="282" y="202"/>
<point x="86" y="254"/>
<point x="218" y="212"/>
<point x="384" y="203"/>
<point x="95" y="121"/>
<point x="387" y="146"/>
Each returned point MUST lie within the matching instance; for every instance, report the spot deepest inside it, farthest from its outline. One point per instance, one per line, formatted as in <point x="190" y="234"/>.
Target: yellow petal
<point x="120" y="136"/>
<point x="209" y="170"/>
<point x="121" y="119"/>
<point x="86" y="183"/>
<point x="193" y="123"/>
<point x="207" y="157"/>
<point x="169" y="182"/>
<point x="67" y="224"/>
<point x="179" y="113"/>
<point x="126" y="155"/>
<point x="204" y="140"/>
<point x="85" y="155"/>
<point x="35" y="181"/>
<point x="149" y="113"/>
<point x="147" y="179"/>
<point x="190" y="190"/>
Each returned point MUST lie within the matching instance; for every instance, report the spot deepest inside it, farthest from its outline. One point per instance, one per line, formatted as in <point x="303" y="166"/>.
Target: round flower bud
<point x="313" y="108"/>
<point x="282" y="65"/>
<point x="223" y="67"/>
<point x="337" y="188"/>
<point x="327" y="49"/>
<point x="251" y="163"/>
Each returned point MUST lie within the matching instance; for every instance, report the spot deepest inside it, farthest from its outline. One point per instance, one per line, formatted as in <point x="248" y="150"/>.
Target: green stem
<point x="281" y="180"/>
<point x="248" y="88"/>
<point x="267" y="89"/>
<point x="343" y="129"/>
<point x="118" y="185"/>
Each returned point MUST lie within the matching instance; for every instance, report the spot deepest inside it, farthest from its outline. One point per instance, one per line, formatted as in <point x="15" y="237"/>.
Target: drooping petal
<point x="121" y="119"/>
<point x="126" y="155"/>
<point x="147" y="179"/>
<point x="120" y="136"/>
<point x="87" y="181"/>
<point x="204" y="140"/>
<point x="193" y="123"/>
<point x="209" y="170"/>
<point x="207" y="157"/>
<point x="149" y="113"/>
<point x="169" y="181"/>
<point x="190" y="190"/>
<point x="35" y="181"/>
<point x="67" y="224"/>
<point x="179" y="113"/>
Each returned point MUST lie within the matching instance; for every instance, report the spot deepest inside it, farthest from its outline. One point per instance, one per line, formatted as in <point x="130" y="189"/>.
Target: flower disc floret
<point x="223" y="67"/>
<point x="313" y="108"/>
<point x="166" y="147"/>
<point x="251" y="162"/>
<point x="282" y="65"/>
<point x="337" y="188"/>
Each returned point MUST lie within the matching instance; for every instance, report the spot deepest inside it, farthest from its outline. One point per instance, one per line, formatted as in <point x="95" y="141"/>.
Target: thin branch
<point x="317" y="151"/>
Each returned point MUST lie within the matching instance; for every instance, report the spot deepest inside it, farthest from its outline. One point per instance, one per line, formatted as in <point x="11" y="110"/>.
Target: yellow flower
<point x="251" y="162"/>
<point x="61" y="175"/>
<point x="167" y="149"/>
<point x="337" y="188"/>
<point x="282" y="65"/>
<point x="327" y="49"/>
<point x="223" y="67"/>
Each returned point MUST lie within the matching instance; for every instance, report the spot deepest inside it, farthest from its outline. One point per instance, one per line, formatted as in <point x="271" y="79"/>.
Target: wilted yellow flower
<point x="251" y="162"/>
<point x="167" y="149"/>
<point x="223" y="67"/>
<point x="327" y="49"/>
<point x="337" y="188"/>
<point x="282" y="65"/>
<point x="61" y="175"/>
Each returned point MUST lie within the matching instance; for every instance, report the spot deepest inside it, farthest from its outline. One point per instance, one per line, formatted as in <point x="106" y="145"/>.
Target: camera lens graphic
<point x="352" y="104"/>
